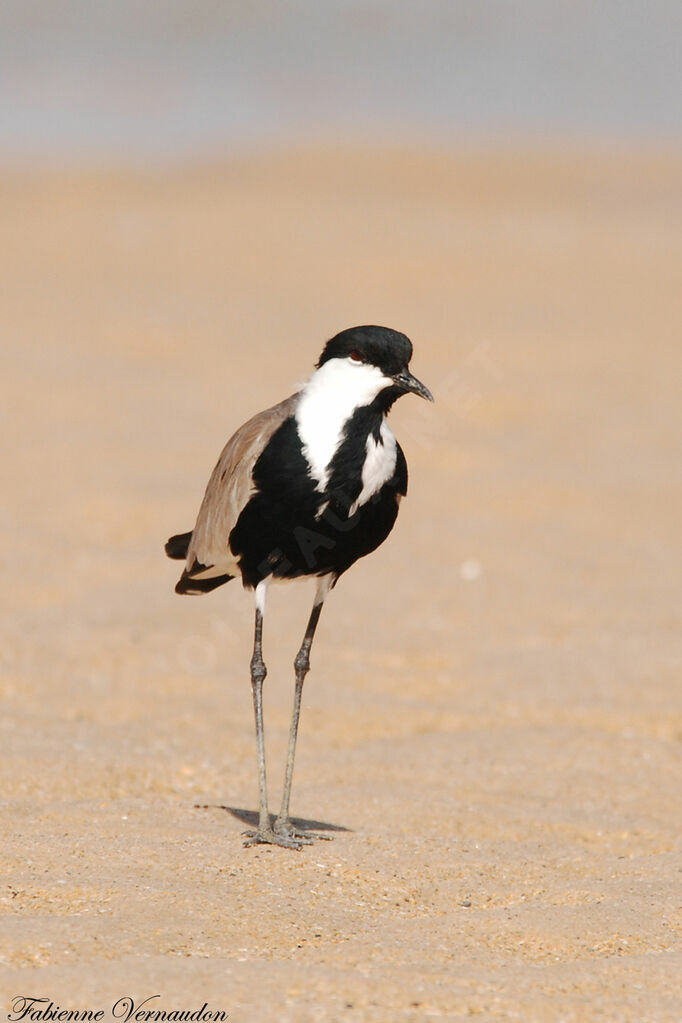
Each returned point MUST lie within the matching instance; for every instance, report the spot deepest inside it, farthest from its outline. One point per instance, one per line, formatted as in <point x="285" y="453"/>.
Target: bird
<point x="302" y="490"/>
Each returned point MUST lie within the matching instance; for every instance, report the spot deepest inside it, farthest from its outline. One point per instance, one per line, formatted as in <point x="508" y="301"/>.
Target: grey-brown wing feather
<point x="227" y="493"/>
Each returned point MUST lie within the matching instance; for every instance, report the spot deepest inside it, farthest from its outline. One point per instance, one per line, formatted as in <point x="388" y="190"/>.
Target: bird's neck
<point x="331" y="397"/>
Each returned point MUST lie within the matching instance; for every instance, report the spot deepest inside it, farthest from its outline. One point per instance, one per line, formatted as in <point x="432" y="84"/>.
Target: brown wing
<point x="227" y="493"/>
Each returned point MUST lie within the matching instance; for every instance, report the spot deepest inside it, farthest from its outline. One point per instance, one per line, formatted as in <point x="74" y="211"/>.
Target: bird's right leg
<point x="283" y="826"/>
<point x="264" y="833"/>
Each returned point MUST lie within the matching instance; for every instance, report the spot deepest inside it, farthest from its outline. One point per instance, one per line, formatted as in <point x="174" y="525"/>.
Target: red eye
<point x="354" y="357"/>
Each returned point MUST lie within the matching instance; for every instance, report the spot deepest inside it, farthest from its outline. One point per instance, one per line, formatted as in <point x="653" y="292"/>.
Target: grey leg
<point x="258" y="673"/>
<point x="264" y="834"/>
<point x="283" y="825"/>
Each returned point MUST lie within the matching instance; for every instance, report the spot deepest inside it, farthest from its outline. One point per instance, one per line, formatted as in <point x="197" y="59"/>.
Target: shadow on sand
<point x="250" y="818"/>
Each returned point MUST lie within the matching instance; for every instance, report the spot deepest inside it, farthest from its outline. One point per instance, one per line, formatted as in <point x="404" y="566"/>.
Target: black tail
<point x="186" y="584"/>
<point x="178" y="546"/>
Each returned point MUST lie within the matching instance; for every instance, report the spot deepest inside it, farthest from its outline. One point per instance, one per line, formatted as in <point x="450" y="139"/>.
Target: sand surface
<point x="492" y="727"/>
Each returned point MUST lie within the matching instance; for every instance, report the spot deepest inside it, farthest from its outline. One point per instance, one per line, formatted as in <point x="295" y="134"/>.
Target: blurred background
<point x="145" y="80"/>
<point x="194" y="196"/>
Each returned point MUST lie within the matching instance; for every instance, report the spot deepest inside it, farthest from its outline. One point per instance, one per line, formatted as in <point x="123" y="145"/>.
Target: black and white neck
<point x="341" y="412"/>
<point x="328" y="407"/>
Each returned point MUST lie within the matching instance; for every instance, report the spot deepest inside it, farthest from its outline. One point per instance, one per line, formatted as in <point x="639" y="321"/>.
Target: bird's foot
<point x="285" y="834"/>
<point x="285" y="827"/>
<point x="268" y="836"/>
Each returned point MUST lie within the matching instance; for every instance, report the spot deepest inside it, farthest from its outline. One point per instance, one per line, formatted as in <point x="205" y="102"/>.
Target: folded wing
<point x="210" y="561"/>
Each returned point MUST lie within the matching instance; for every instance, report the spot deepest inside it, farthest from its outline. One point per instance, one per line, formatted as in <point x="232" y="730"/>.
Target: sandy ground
<point x="492" y="727"/>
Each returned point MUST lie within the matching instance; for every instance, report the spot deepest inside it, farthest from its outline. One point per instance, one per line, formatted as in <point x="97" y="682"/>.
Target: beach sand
<point x="492" y="726"/>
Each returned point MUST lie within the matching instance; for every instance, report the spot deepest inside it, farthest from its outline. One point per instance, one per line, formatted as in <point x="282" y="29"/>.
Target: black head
<point x="388" y="350"/>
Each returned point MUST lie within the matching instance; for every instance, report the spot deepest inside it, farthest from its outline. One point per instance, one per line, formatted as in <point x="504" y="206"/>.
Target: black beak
<point x="406" y="382"/>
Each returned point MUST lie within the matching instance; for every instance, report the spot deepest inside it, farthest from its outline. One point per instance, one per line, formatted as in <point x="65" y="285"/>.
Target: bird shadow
<point x="250" y="818"/>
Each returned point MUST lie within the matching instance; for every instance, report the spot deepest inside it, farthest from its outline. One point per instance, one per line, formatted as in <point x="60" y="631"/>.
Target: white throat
<point x="327" y="401"/>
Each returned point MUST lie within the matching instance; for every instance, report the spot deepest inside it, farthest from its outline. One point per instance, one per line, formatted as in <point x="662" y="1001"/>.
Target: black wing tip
<point x="187" y="585"/>
<point x="178" y="546"/>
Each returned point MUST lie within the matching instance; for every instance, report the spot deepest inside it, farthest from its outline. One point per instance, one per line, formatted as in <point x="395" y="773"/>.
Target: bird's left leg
<point x="283" y="826"/>
<point x="264" y="833"/>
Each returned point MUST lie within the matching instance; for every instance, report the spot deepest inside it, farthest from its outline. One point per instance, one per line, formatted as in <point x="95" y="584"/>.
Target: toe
<point x="269" y="837"/>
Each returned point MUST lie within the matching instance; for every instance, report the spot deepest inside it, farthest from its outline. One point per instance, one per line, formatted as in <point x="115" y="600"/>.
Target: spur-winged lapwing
<point x="304" y="489"/>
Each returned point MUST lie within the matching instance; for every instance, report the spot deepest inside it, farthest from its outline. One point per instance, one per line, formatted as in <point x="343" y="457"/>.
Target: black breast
<point x="290" y="529"/>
